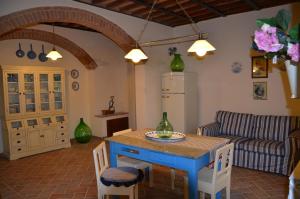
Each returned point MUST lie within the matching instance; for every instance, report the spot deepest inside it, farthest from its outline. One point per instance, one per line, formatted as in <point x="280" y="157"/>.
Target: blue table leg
<point x="193" y="184"/>
<point x="113" y="155"/>
<point x="219" y="195"/>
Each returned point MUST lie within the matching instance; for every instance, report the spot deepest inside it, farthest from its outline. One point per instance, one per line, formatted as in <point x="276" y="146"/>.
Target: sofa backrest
<point x="271" y="127"/>
<point x="237" y="124"/>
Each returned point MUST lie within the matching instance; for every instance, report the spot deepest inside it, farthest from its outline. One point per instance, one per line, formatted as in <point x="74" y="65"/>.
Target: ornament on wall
<point x="20" y="53"/>
<point x="75" y="86"/>
<point x="236" y="67"/>
<point x="74" y="74"/>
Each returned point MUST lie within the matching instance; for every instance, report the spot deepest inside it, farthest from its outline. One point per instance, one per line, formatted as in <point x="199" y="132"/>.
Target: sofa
<point x="261" y="142"/>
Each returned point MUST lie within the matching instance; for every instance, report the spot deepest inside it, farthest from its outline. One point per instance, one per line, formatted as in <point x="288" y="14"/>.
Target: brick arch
<point x="33" y="16"/>
<point x="64" y="43"/>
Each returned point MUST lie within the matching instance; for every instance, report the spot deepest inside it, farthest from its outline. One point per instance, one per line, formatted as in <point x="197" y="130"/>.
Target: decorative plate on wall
<point x="74" y="74"/>
<point x="75" y="86"/>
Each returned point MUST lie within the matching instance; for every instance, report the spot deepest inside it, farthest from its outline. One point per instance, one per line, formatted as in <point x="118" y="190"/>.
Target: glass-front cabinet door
<point x="58" y="90"/>
<point x="29" y="92"/>
<point x="13" y="93"/>
<point x="44" y="92"/>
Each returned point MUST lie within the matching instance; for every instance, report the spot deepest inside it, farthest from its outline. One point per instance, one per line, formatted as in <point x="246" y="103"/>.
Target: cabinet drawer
<point x="62" y="140"/>
<point x="62" y="127"/>
<point x="18" y="142"/>
<point x="17" y="134"/>
<point x="18" y="149"/>
<point x="61" y="134"/>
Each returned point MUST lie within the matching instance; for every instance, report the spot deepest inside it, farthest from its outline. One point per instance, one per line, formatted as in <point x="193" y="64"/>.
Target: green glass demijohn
<point x="177" y="64"/>
<point x="164" y="128"/>
<point x="83" y="133"/>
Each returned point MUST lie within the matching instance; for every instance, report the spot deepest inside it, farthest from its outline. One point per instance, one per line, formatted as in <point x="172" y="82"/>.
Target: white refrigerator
<point x="180" y="99"/>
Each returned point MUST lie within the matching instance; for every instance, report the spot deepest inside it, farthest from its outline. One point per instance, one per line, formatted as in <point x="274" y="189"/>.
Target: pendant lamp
<point x="53" y="54"/>
<point x="201" y="46"/>
<point x="136" y="54"/>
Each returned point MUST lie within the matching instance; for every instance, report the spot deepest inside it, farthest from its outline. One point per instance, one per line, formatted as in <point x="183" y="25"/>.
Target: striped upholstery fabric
<point x="235" y="139"/>
<point x="269" y="127"/>
<point x="262" y="142"/>
<point x="263" y="146"/>
<point x="212" y="129"/>
<point x="237" y="124"/>
<point x="260" y="161"/>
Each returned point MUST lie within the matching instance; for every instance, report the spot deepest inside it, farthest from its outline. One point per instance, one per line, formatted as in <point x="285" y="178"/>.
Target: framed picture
<point x="260" y="90"/>
<point x="259" y="67"/>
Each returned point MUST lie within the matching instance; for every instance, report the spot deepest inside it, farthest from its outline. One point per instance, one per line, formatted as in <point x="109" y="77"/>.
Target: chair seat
<point x="205" y="177"/>
<point x="124" y="161"/>
<point x="121" y="176"/>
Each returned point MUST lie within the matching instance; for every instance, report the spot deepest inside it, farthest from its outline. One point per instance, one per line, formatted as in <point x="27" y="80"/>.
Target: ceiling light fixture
<point x="136" y="54"/>
<point x="53" y="54"/>
<point x="201" y="46"/>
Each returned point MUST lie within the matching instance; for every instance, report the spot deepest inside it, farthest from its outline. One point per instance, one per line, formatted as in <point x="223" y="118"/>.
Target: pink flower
<point x="293" y="51"/>
<point x="266" y="39"/>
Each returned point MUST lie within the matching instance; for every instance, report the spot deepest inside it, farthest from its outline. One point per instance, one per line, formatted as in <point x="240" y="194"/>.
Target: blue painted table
<point x="189" y="155"/>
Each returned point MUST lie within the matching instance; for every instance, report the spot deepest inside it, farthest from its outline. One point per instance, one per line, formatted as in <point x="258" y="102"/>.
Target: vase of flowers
<point x="280" y="44"/>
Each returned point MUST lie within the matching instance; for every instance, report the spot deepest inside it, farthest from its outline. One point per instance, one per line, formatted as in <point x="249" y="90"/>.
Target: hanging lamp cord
<point x="147" y="22"/>
<point x="193" y="24"/>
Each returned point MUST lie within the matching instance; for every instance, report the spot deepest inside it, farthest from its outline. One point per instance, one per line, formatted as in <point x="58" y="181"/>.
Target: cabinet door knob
<point x="63" y="140"/>
<point x="62" y="133"/>
<point x="42" y="136"/>
<point x="18" y="141"/>
<point x="19" y="149"/>
<point x="18" y="134"/>
<point x="62" y="127"/>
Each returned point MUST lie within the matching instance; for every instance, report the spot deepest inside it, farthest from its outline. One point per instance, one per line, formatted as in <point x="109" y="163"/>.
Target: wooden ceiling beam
<point x="210" y="8"/>
<point x="161" y="9"/>
<point x="252" y="4"/>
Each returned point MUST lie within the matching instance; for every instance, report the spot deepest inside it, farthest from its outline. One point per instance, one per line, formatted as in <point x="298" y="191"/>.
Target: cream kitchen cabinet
<point x="34" y="110"/>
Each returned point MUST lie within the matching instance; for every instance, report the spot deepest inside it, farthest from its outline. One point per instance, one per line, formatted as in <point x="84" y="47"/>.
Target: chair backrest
<point x="199" y="131"/>
<point x="100" y="160"/>
<point x="223" y="162"/>
<point x="122" y="132"/>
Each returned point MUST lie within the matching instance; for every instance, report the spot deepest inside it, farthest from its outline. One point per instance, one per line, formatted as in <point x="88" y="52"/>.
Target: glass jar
<point x="83" y="133"/>
<point x="164" y="128"/>
<point x="177" y="64"/>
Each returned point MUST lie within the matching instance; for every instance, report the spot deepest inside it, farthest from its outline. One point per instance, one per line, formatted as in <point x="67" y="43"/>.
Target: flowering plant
<point x="276" y="40"/>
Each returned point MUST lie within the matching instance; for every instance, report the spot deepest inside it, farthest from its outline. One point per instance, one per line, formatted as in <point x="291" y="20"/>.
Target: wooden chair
<point x="130" y="162"/>
<point x="102" y="169"/>
<point x="213" y="180"/>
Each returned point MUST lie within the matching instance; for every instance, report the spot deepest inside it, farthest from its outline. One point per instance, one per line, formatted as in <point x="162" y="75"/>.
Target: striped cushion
<point x="268" y="127"/>
<point x="237" y="124"/>
<point x="263" y="146"/>
<point x="235" y="139"/>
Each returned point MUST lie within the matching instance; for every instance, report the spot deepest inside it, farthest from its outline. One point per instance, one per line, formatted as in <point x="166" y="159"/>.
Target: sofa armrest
<point x="291" y="150"/>
<point x="211" y="129"/>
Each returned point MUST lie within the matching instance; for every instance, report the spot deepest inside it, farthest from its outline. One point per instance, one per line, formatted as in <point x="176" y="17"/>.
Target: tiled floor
<point x="69" y="173"/>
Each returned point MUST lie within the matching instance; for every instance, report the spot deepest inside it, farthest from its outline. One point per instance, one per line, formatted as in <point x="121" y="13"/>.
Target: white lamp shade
<point x="54" y="55"/>
<point x="200" y="47"/>
<point x="136" y="55"/>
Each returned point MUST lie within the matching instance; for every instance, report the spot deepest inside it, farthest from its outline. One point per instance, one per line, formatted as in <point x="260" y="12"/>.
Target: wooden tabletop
<point x="193" y="146"/>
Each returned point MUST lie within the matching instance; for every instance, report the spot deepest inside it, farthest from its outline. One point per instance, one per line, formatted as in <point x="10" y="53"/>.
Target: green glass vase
<point x="164" y="128"/>
<point x="83" y="133"/>
<point x="177" y="64"/>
